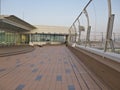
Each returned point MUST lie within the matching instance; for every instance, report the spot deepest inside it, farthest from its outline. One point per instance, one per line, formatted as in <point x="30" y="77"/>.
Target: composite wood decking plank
<point x="64" y="75"/>
<point x="32" y="77"/>
<point x="16" y="81"/>
<point x="60" y="70"/>
<point x="91" y="84"/>
<point x="101" y="84"/>
<point x="12" y="76"/>
<point x="52" y="83"/>
<point x="68" y="75"/>
<point x="41" y="75"/>
<point x="80" y="79"/>
<point x="83" y="75"/>
<point x="92" y="81"/>
<point x="23" y="76"/>
<point x="45" y="82"/>
<point x="95" y="79"/>
<point x="52" y="78"/>
<point x="28" y="75"/>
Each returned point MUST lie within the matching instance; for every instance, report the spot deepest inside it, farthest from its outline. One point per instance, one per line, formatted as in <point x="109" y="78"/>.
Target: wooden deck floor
<point x="47" y="68"/>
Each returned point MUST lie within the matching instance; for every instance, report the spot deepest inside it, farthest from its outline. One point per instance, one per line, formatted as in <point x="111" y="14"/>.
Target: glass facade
<point x="47" y="38"/>
<point x="12" y="38"/>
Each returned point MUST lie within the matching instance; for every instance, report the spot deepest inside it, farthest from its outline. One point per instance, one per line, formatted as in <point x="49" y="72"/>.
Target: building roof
<point x="14" y="23"/>
<point x="50" y="29"/>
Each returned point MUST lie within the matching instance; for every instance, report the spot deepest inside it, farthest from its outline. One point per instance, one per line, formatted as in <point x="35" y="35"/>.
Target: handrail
<point x="81" y="13"/>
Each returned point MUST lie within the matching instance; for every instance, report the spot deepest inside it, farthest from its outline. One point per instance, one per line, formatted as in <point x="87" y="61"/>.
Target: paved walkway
<point x="47" y="68"/>
<point x="6" y="51"/>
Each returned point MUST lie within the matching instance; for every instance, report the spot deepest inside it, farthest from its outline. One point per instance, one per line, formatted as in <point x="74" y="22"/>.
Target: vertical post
<point x="109" y="28"/>
<point x="79" y="30"/>
<point x="71" y="34"/>
<point x="81" y="14"/>
<point x="21" y="38"/>
<point x="109" y="8"/>
<point x="69" y="39"/>
<point x="102" y="37"/>
<point x="15" y="38"/>
<point x="114" y="37"/>
<point x="75" y="33"/>
<point x="30" y="40"/>
<point x="30" y="37"/>
<point x="88" y="29"/>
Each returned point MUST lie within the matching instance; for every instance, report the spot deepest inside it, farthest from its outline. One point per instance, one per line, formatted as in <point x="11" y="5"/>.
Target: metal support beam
<point x="109" y="29"/>
<point x="75" y="32"/>
<point x="72" y="35"/>
<point x="88" y="29"/>
<point x="109" y="34"/>
<point x="71" y="40"/>
<point x="30" y="37"/>
<point x="114" y="37"/>
<point x="73" y="25"/>
<point x="15" y="38"/>
<point x="102" y="40"/>
<point x="69" y="37"/>
<point x="81" y="12"/>
<point x="79" y="31"/>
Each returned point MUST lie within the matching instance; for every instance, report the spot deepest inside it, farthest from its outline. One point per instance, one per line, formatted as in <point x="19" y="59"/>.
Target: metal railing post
<point x="109" y="29"/>
<point x="88" y="29"/>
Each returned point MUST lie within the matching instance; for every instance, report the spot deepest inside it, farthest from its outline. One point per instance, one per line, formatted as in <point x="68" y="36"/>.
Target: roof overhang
<point x="14" y="23"/>
<point x="45" y="29"/>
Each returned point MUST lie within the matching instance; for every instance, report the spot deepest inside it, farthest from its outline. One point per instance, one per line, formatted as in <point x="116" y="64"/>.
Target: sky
<point x="61" y="12"/>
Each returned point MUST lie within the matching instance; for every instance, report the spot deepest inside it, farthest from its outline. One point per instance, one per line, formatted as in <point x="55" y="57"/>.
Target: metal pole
<point x="88" y="28"/>
<point x="69" y="37"/>
<point x="102" y="37"/>
<point x="86" y="14"/>
<point x="109" y="28"/>
<point x="109" y="8"/>
<point x="75" y="33"/>
<point x="81" y="12"/>
<point x="79" y="30"/>
<point x="114" y="37"/>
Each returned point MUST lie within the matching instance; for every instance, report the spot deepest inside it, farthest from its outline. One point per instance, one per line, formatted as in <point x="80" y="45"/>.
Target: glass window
<point x="3" y="37"/>
<point x="41" y="37"/>
<point x="32" y="37"/>
<point x="48" y="37"/>
<point x="52" y="37"/>
<point x="0" y="36"/>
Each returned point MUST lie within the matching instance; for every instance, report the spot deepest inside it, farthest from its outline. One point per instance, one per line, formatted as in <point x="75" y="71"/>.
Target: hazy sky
<point x="61" y="12"/>
<point x="46" y="12"/>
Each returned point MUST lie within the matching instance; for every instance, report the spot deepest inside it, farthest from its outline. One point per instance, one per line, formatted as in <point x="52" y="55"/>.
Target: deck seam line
<point x="89" y="73"/>
<point x="74" y="71"/>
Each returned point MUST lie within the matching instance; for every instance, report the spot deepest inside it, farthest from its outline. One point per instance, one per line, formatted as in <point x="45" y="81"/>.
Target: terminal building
<point x="48" y="35"/>
<point x="15" y="31"/>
